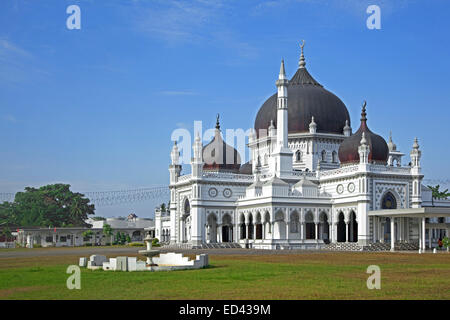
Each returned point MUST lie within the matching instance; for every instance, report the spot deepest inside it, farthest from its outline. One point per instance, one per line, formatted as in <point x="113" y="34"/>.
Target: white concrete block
<point x="83" y="262"/>
<point x="97" y="260"/>
<point x="141" y="266"/>
<point x="122" y="264"/>
<point x="132" y="264"/>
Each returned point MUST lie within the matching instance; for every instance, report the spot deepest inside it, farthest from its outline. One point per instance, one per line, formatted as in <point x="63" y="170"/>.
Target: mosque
<point x="310" y="183"/>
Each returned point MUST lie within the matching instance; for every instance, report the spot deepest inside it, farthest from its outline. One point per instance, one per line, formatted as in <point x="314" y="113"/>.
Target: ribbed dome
<point x="348" y="150"/>
<point x="306" y="99"/>
<point x="219" y="156"/>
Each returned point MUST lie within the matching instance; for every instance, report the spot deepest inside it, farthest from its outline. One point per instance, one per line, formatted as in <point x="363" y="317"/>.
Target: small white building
<point x="135" y="228"/>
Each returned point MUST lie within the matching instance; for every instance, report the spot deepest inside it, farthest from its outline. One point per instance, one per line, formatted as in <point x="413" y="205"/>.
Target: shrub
<point x="155" y="242"/>
<point x="136" y="244"/>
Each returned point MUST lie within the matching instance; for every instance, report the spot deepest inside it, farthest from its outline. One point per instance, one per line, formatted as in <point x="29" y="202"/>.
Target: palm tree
<point x="436" y="194"/>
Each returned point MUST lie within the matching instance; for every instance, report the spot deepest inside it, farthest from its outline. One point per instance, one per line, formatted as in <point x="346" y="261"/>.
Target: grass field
<point x="280" y="276"/>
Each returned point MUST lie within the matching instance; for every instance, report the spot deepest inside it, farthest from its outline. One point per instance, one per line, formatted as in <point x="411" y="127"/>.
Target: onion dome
<point x="306" y="98"/>
<point x="348" y="150"/>
<point x="219" y="156"/>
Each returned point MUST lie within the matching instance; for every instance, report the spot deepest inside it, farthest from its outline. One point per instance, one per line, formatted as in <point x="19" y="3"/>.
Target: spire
<point x="217" y="122"/>
<point x="302" y="63"/>
<point x="312" y="126"/>
<point x="363" y="112"/>
<point x="363" y="139"/>
<point x="282" y="75"/>
<point x="347" y="129"/>
<point x="416" y="144"/>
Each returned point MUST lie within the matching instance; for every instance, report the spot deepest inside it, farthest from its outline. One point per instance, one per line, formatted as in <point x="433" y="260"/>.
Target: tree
<point x="108" y="231"/>
<point x="436" y="194"/>
<point x="162" y="207"/>
<point x="48" y="206"/>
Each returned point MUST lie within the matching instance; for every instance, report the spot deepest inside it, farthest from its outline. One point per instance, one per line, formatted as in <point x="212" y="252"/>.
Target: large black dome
<point x="306" y="99"/>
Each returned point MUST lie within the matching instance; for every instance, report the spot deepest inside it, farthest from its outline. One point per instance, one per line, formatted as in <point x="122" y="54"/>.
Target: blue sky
<point x="96" y="107"/>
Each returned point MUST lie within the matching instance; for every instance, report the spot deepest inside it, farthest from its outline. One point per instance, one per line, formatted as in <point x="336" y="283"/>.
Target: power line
<point x="111" y="198"/>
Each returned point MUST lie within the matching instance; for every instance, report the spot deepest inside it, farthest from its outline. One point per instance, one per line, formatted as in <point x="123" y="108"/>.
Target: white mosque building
<point x="311" y="183"/>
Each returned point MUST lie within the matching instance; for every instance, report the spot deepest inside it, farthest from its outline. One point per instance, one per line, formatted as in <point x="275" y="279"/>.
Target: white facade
<point x="298" y="195"/>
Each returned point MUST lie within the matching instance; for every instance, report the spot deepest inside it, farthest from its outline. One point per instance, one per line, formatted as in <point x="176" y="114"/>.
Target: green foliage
<point x="107" y="230"/>
<point x="48" y="206"/>
<point x="98" y="218"/>
<point x="163" y="207"/>
<point x="155" y="242"/>
<point x="437" y="194"/>
<point x="446" y="242"/>
<point x="121" y="238"/>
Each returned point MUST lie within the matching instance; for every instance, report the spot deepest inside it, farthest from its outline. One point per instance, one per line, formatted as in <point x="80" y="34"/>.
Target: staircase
<point x="343" y="246"/>
<point x="223" y="245"/>
<point x="378" y="246"/>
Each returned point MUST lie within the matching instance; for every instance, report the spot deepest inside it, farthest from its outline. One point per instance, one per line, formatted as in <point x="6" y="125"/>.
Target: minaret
<point x="281" y="161"/>
<point x="174" y="172"/>
<point x="282" y="108"/>
<point x="175" y="167"/>
<point x="416" y="198"/>
<point x="197" y="160"/>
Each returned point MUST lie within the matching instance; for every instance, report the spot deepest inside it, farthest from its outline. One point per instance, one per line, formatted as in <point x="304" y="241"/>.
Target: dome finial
<point x="217" y="122"/>
<point x="363" y="112"/>
<point x="302" y="63"/>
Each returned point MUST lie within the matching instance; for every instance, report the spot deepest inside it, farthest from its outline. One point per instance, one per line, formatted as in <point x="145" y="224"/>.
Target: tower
<point x="174" y="167"/>
<point x="416" y="198"/>
<point x="282" y="157"/>
<point x="197" y="159"/>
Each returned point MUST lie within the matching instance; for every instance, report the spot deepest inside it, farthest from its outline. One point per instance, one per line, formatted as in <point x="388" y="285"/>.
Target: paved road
<point x="86" y="251"/>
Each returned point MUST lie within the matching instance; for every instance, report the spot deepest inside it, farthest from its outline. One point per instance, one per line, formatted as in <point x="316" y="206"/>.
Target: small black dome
<point x="348" y="150"/>
<point x="246" y="168"/>
<point x="306" y="99"/>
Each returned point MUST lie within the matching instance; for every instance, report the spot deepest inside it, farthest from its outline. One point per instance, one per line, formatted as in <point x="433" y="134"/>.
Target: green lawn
<point x="299" y="276"/>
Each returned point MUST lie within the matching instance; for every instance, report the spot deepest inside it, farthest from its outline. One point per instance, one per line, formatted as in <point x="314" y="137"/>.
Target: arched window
<point x="334" y="157"/>
<point x="388" y="201"/>
<point x="187" y="207"/>
<point x="298" y="156"/>
<point x="324" y="156"/>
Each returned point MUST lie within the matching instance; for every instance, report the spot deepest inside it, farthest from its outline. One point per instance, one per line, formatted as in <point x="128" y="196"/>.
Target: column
<point x="375" y="229"/>
<point x="400" y="229"/>
<point x="316" y="225"/>
<point x="419" y="227"/>
<point x="302" y="231"/>
<point x="287" y="230"/>
<point x="346" y="231"/>
<point x="219" y="233"/>
<point x="423" y="234"/>
<point x="264" y="230"/>
<point x="247" y="228"/>
<point x="392" y="234"/>
<point x="430" y="231"/>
